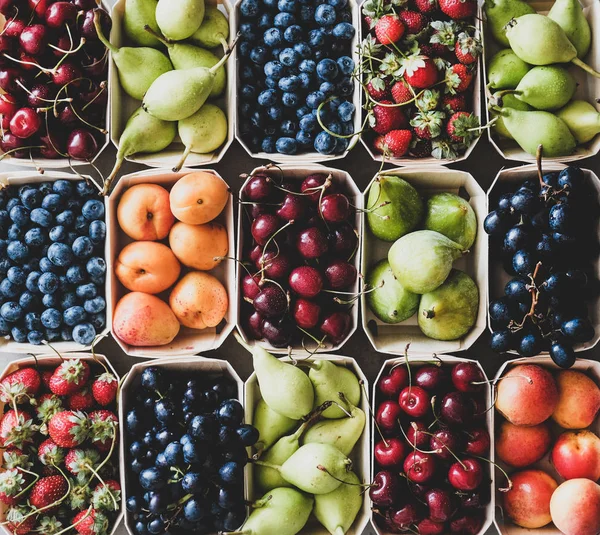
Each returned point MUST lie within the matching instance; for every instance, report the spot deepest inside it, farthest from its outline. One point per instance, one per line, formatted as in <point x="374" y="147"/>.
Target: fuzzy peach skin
<point x="199" y="246"/>
<point x="527" y="504"/>
<point x="198" y="198"/>
<point x="576" y="455"/>
<point x="144" y="320"/>
<point x="199" y="300"/>
<point x="147" y="266"/>
<point x="521" y="446"/>
<point x="575" y="507"/>
<point x="578" y="400"/>
<point x="144" y="212"/>
<point x="527" y="395"/>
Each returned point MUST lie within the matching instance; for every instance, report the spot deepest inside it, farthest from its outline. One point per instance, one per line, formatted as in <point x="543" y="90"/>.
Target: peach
<point x="147" y="266"/>
<point x="199" y="246"/>
<point x="199" y="300"/>
<point x="144" y="320"/>
<point x="527" y="395"/>
<point x="575" y="507"/>
<point x="527" y="504"/>
<point x="144" y="212"/>
<point x="578" y="400"/>
<point x="198" y="198"/>
<point x="576" y="455"/>
<point x="521" y="446"/>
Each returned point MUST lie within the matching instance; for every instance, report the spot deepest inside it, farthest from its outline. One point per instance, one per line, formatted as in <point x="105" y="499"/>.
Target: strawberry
<point x="80" y="495"/>
<point x="397" y="142"/>
<point x="428" y="124"/>
<point x="379" y="144"/>
<point x="467" y="48"/>
<point x="47" y="406"/>
<point x="16" y="429"/>
<point x="19" y="520"/>
<point x="452" y="103"/>
<point x="78" y="461"/>
<point x="426" y="6"/>
<point x="69" y="377"/>
<point x="428" y="100"/>
<point x="47" y="491"/>
<point x="462" y="127"/>
<point x="378" y="88"/>
<point x="68" y="428"/>
<point x="104" y="497"/>
<point x="15" y="458"/>
<point x="46" y="376"/>
<point x="386" y="118"/>
<point x="49" y="525"/>
<point x="12" y="483"/>
<point x="104" y="389"/>
<point x="401" y="92"/>
<point x="420" y="148"/>
<point x="419" y="71"/>
<point x="50" y="454"/>
<point x="19" y="385"/>
<point x="389" y="29"/>
<point x="81" y="401"/>
<point x="458" y="78"/>
<point x="459" y="9"/>
<point x="103" y="429"/>
<point x="414" y="21"/>
<point x="91" y="522"/>
<point x="443" y="37"/>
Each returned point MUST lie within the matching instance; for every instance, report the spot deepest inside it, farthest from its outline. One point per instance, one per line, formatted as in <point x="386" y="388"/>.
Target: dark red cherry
<point x="82" y="145"/>
<point x="306" y="281"/>
<point x="292" y="208"/>
<point x="429" y="527"/>
<point x="277" y="265"/>
<point x="250" y="286"/>
<point x="340" y="275"/>
<point x="8" y="80"/>
<point x="87" y="28"/>
<point x="10" y="142"/>
<point x="464" y="374"/>
<point x="478" y="442"/>
<point x="25" y="123"/>
<point x="388" y="414"/>
<point x="312" y="185"/>
<point x="390" y="453"/>
<point x="447" y="442"/>
<point x="60" y="13"/>
<point x="419" y="467"/>
<point x="39" y="95"/>
<point x="95" y="96"/>
<point x="457" y="409"/>
<point x="39" y="6"/>
<point x="406" y="516"/>
<point x="66" y="73"/>
<point x="442" y="505"/>
<point x="8" y="106"/>
<point x="9" y="8"/>
<point x="7" y="44"/>
<point x="258" y="188"/>
<point x="466" y="524"/>
<point x="476" y="500"/>
<point x="271" y="301"/>
<point x="466" y="476"/>
<point x="33" y="39"/>
<point x="278" y="333"/>
<point x="343" y="240"/>
<point x="391" y="384"/>
<point x="385" y="489"/>
<point x="254" y="325"/>
<point x="306" y="313"/>
<point x="85" y="4"/>
<point x="417" y="434"/>
<point x="311" y="243"/>
<point x="335" y="208"/>
<point x="264" y="226"/>
<point x="431" y="378"/>
<point x="14" y="28"/>
<point x="66" y="116"/>
<point x="414" y="401"/>
<point x="64" y="43"/>
<point x="336" y="326"/>
<point x="95" y="66"/>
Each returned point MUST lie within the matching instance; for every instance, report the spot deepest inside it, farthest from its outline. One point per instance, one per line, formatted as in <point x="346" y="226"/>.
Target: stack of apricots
<point x="176" y="244"/>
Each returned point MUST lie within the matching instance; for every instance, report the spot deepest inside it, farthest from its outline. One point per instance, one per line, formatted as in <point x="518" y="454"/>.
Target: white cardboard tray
<point x="394" y="338"/>
<point x="188" y="341"/>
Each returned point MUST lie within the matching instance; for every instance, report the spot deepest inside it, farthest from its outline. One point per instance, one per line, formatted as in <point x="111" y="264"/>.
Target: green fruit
<point x="271" y="425"/>
<point x="338" y="509"/>
<point x="140" y="13"/>
<point x="582" y="119"/>
<point x="214" y="29"/>
<point x="450" y="311"/>
<point x="179" y="19"/>
<point x="508" y="101"/>
<point x="394" y="207"/>
<point x="391" y="303"/>
<point x="506" y="70"/>
<point x="328" y="380"/>
<point x="453" y="217"/>
<point x="570" y="17"/>
<point x="500" y="12"/>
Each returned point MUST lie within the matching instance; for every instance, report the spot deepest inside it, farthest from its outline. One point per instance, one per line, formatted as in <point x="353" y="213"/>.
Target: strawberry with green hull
<point x="48" y="493"/>
<point x="12" y="485"/>
<point x="16" y="428"/>
<point x="20" y="385"/>
<point x="81" y="401"/>
<point x="70" y="377"/>
<point x="69" y="428"/>
<point x="91" y="522"/>
<point x="19" y="520"/>
<point x="50" y="454"/>
<point x="104" y="389"/>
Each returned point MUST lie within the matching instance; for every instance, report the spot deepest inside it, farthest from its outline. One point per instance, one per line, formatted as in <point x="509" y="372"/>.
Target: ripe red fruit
<point x="426" y="6"/>
<point x="336" y="326"/>
<point x="69" y="377"/>
<point x="16" y="429"/>
<point x="68" y="428"/>
<point x="293" y="207"/>
<point x="379" y="144"/>
<point x="388" y="414"/>
<point x="311" y="243"/>
<point x="414" y="21"/>
<point x="420" y="71"/>
<point x="406" y="516"/>
<point x="462" y="127"/>
<point x="429" y="527"/>
<point x="430" y="377"/>
<point x="81" y="401"/>
<point x="447" y="442"/>
<point x="25" y="123"/>
<point x="419" y="467"/>
<point x="467" y="524"/>
<point x="392" y="383"/>
<point x="104" y="389"/>
<point x="453" y="103"/>
<point x="250" y="286"/>
<point x="306" y="281"/>
<point x="340" y="275"/>
<point x="389" y="29"/>
<point x="401" y="92"/>
<point x="103" y="429"/>
<point x="466" y="476"/>
<point x="254" y="325"/>
<point x="414" y="401"/>
<point x="459" y="78"/>
<point x="442" y="505"/>
<point x="388" y="118"/>
<point x="276" y="264"/>
<point x="467" y="49"/>
<point x="335" y="208"/>
<point x="47" y="491"/>
<point x="20" y="383"/>
<point x="378" y="90"/>
<point x="458" y="9"/>
<point x="385" y="489"/>
<point x="306" y="313"/>
<point x="33" y="39"/>
<point x="478" y="442"/>
<point x="465" y="374"/>
<point x="398" y="142"/>
<point x="60" y="13"/>
<point x="316" y="185"/>
<point x="417" y="435"/>
<point x="390" y="453"/>
<point x="90" y="523"/>
<point x="259" y="188"/>
<point x="81" y="144"/>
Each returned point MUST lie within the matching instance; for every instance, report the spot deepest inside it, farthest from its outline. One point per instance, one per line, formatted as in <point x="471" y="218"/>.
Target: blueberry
<point x="95" y="305"/>
<point x="63" y="187"/>
<point x="248" y="31"/>
<point x="82" y="225"/>
<point x="33" y="321"/>
<point x="76" y="274"/>
<point x="57" y="234"/>
<point x="325" y="15"/>
<point x="87" y="291"/>
<point x="82" y="247"/>
<point x="286" y="145"/>
<point x="273" y="37"/>
<point x="66" y="334"/>
<point x="51" y="300"/>
<point x="19" y="335"/>
<point x="15" y="232"/>
<point x="31" y="198"/>
<point x="246" y="73"/>
<point x="5" y="327"/>
<point x="70" y="239"/>
<point x="74" y="315"/>
<point x="98" y="321"/>
<point x="274" y="69"/>
<point x="52" y="202"/>
<point x="20" y="215"/>
<point x="244" y="49"/>
<point x="5" y="264"/>
<point x="345" y="65"/>
<point x="96" y="266"/>
<point x="51" y="318"/>
<point x="288" y="128"/>
<point x="258" y="118"/>
<point x="12" y="203"/>
<point x="338" y="4"/>
<point x="315" y="99"/>
<point x="153" y="478"/>
<point x="60" y="254"/>
<point x="290" y="99"/>
<point x="28" y="301"/>
<point x="42" y="217"/>
<point x="303" y="50"/>
<point x="68" y="300"/>
<point x="289" y="57"/>
<point x="66" y="218"/>
<point x="74" y="204"/>
<point x="345" y="87"/>
<point x="133" y="504"/>
<point x="48" y="283"/>
<point x="275" y="113"/>
<point x="250" y="8"/>
<point x="35" y="337"/>
<point x="84" y="333"/>
<point x="325" y="143"/>
<point x="267" y="97"/>
<point x="308" y="66"/>
<point x="11" y="311"/>
<point x="293" y="33"/>
<point x="259" y="55"/>
<point x="344" y="31"/>
<point x="84" y="189"/>
<point x="8" y="289"/>
<point x="346" y="111"/>
<point x="307" y="13"/>
<point x="268" y="145"/>
<point x="265" y="21"/>
<point x="93" y="210"/>
<point x="17" y="251"/>
<point x="327" y="69"/>
<point x="32" y="281"/>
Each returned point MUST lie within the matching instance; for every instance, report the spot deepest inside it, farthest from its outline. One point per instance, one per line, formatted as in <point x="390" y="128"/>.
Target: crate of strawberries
<point x="419" y="66"/>
<point x="58" y="432"/>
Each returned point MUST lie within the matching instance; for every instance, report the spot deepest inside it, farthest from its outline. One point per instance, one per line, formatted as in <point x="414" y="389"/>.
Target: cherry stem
<point x="417" y="431"/>
<point x="362" y="386"/>
<point x="508" y="479"/>
<point x="361" y="485"/>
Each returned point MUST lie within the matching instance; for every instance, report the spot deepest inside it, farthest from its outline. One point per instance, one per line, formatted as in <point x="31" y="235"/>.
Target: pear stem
<point x="109" y="180"/>
<point x="267" y="464"/>
<point x="168" y="44"/>
<point x="184" y="156"/>
<point x="102" y="37"/>
<point x="228" y="52"/>
<point x="585" y="67"/>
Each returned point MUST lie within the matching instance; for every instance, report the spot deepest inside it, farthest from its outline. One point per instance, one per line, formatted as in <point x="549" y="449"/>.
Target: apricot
<point x="144" y="212"/>
<point x="578" y="400"/>
<point x="527" y="504"/>
<point x="198" y="198"/>
<point x="575" y="507"/>
<point x="144" y="320"/>
<point x="521" y="446"/>
<point x="199" y="246"/>
<point x="147" y="266"/>
<point x="199" y="300"/>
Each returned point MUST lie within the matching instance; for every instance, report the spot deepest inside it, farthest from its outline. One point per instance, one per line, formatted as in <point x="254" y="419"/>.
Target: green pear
<point x="139" y="67"/>
<point x="285" y="388"/>
<point x="506" y="70"/>
<point x="328" y="380"/>
<point x="422" y="260"/>
<point x="500" y="12"/>
<point x="533" y="128"/>
<point x="142" y="133"/>
<point x="390" y="301"/>
<point x="547" y="87"/>
<point x="342" y="433"/>
<point x="394" y="207"/>
<point x="138" y="14"/>
<point x="582" y="119"/>
<point x="338" y="509"/>
<point x="271" y="425"/>
<point x="213" y="31"/>
<point x="569" y="15"/>
<point x="178" y="94"/>
<point x="539" y="40"/>
<point x="203" y="132"/>
<point x="280" y="511"/>
<point x="508" y="101"/>
<point x="179" y="19"/>
<point x="453" y="217"/>
<point x="450" y="311"/>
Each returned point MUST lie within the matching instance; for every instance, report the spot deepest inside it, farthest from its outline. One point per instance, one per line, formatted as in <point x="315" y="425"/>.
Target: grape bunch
<point x="544" y="233"/>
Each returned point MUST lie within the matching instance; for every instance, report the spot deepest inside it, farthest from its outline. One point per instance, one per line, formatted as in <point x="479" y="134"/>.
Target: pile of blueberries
<point x="294" y="55"/>
<point x="187" y="444"/>
<point x="52" y="268"/>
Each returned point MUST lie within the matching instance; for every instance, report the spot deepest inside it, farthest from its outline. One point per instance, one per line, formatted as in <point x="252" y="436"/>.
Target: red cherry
<point x="264" y="226"/>
<point x="306" y="281"/>
<point x="457" y="409"/>
<point x="254" y="325"/>
<point x="292" y="207"/>
<point x="250" y="286"/>
<point x="415" y="435"/>
<point x="388" y="414"/>
<point x="82" y="145"/>
<point x="306" y="313"/>
<point x="10" y="142"/>
<point x="311" y="243"/>
<point x="53" y="146"/>
<point x="340" y="275"/>
<point x="478" y="442"/>
<point x="385" y="489"/>
<point x="464" y="374"/>
<point x="429" y="527"/>
<point x="447" y="442"/>
<point x="391" y="384"/>
<point x="414" y="401"/>
<point x="258" y="188"/>
<point x="343" y="240"/>
<point x="60" y="13"/>
<point x="14" y="28"/>
<point x="33" y="39"/>
<point x="271" y="302"/>
<point x="312" y="184"/>
<point x="336" y="326"/>
<point x="39" y="6"/>
<point x="404" y="517"/>
<point x="466" y="476"/>
<point x="419" y="467"/>
<point x="390" y="453"/>
<point x="278" y="333"/>
<point x="335" y="208"/>
<point x="466" y="524"/>
<point x="25" y="123"/>
<point x="255" y="254"/>
<point x="8" y="106"/>
<point x="277" y="265"/>
<point x="431" y="378"/>
<point x="66" y="73"/>
<point x="442" y="505"/>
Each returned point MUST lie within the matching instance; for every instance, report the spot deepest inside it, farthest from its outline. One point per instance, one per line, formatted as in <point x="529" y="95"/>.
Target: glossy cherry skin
<point x="277" y="265"/>
<point x="340" y="275"/>
<point x="414" y="401"/>
<point x="10" y="142"/>
<point x="25" y="123"/>
<point x="255" y="254"/>
<point x="33" y="39"/>
<point x="466" y="524"/>
<point x="404" y="517"/>
<point x="464" y="374"/>
<point x="278" y="333"/>
<point x="39" y="6"/>
<point x="312" y="185"/>
<point x="82" y="145"/>
<point x="264" y="226"/>
<point x="390" y="453"/>
<point x="292" y="208"/>
<point x="343" y="240"/>
<point x="429" y="527"/>
<point x="14" y="28"/>
<point x="431" y="378"/>
<point x="391" y="384"/>
<point x="87" y="27"/>
<point x="67" y="73"/>
<point x="60" y="13"/>
<point x="312" y="243"/>
<point x="53" y="145"/>
<point x="336" y="326"/>
<point x="388" y="414"/>
<point x="442" y="505"/>
<point x="254" y="325"/>
<point x="306" y="281"/>
<point x="385" y="489"/>
<point x="250" y="286"/>
<point x="271" y="302"/>
<point x="306" y="313"/>
<point x="457" y="409"/>
<point x="478" y="442"/>
<point x="335" y="208"/>
<point x="447" y="442"/>
<point x="8" y="106"/>
<point x="419" y="467"/>
<point x="467" y="477"/>
<point x="417" y="435"/>
<point x="258" y="188"/>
